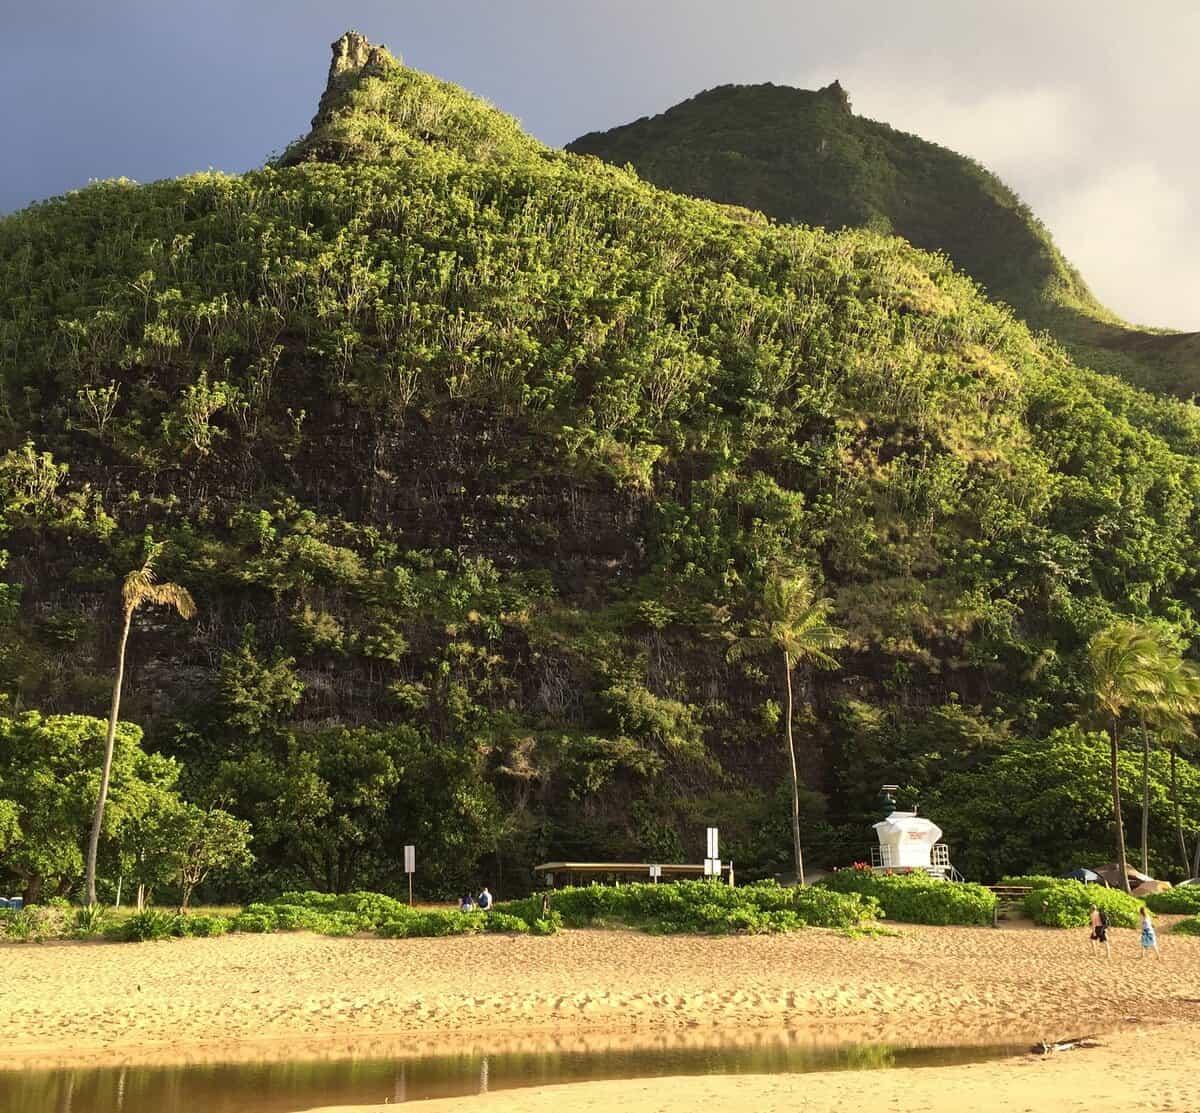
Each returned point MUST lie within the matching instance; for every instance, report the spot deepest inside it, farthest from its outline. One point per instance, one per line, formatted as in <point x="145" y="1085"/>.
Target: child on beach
<point x="467" y="904"/>
<point x="1149" y="938"/>
<point x="1100" y="931"/>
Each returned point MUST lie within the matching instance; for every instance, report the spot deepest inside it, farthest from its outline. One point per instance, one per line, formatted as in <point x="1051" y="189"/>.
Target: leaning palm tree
<point x="794" y="622"/>
<point x="1128" y="665"/>
<point x="141" y="587"/>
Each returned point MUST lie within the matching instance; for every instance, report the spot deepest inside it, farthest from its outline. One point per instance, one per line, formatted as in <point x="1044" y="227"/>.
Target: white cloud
<point x="1132" y="232"/>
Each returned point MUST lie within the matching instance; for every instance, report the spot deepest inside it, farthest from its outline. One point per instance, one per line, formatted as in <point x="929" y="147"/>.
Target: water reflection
<point x="285" y="1087"/>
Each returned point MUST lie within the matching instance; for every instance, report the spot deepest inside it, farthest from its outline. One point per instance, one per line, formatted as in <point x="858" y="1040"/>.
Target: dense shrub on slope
<point x="474" y="454"/>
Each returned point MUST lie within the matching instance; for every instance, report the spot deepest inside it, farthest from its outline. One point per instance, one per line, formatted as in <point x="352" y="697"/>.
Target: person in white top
<point x="484" y="901"/>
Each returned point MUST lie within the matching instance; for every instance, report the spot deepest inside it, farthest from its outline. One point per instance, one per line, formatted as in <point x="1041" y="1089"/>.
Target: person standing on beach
<point x="1149" y="938"/>
<point x="1100" y="931"/>
<point x="485" y="900"/>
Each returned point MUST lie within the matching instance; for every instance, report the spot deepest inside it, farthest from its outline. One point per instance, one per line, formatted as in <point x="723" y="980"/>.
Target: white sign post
<point x="410" y="867"/>
<point x="712" y="861"/>
<point x="655" y="873"/>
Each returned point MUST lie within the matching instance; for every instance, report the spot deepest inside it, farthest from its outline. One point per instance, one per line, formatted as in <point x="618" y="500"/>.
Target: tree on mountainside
<point x="141" y="587"/>
<point x="794" y="621"/>
<point x="1129" y="668"/>
<point x="1171" y="717"/>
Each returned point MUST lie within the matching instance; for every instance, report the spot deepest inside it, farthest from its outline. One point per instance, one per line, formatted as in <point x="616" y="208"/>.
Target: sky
<point x="1086" y="107"/>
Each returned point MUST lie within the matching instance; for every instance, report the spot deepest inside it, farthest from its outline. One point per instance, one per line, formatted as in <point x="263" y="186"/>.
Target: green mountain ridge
<point x="477" y="455"/>
<point x="804" y="157"/>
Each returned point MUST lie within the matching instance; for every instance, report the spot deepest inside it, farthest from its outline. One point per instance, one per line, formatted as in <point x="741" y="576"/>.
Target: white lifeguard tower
<point x="908" y="841"/>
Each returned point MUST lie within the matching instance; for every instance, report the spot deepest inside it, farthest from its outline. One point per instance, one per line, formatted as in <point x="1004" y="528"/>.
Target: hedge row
<point x="918" y="898"/>
<point x="702" y="907"/>
<point x="1067" y="904"/>
<point x="1185" y="901"/>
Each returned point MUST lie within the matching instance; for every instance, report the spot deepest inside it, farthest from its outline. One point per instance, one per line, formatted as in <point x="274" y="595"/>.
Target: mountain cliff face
<point x="476" y="455"/>
<point x="804" y="157"/>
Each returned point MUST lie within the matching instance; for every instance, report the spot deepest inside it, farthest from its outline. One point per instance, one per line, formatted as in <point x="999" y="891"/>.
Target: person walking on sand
<point x="1149" y="938"/>
<point x="1100" y="931"/>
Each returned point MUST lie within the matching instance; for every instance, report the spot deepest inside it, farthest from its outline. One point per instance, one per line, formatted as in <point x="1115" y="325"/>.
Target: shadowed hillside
<point x="476" y="457"/>
<point x="804" y="157"/>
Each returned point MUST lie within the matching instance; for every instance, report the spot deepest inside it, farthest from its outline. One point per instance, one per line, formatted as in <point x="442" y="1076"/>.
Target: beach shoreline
<point x="269" y="998"/>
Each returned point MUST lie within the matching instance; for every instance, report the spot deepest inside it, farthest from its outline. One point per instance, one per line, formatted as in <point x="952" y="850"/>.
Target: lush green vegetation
<point x="917" y="898"/>
<point x="1069" y="904"/>
<point x="1185" y="901"/>
<point x="704" y="907"/>
<point x="803" y="157"/>
<point x="1187" y="927"/>
<point x="1046" y="804"/>
<point x="477" y="457"/>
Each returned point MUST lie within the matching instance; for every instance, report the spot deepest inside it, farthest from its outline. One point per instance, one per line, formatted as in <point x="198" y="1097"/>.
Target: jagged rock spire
<point x="838" y="95"/>
<point x="354" y="57"/>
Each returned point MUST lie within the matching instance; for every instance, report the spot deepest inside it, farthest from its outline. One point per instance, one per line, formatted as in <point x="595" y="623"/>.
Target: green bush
<point x="498" y="923"/>
<point x="252" y="923"/>
<point x="1185" y="901"/>
<point x="1187" y="927"/>
<point x="90" y="920"/>
<point x="205" y="926"/>
<point x="1033" y="880"/>
<point x="1068" y="904"/>
<point x="18" y="925"/>
<point x="917" y="898"/>
<point x="148" y="925"/>
<point x="699" y="907"/>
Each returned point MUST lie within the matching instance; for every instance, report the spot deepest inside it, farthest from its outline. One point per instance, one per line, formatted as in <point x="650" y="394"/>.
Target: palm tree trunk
<point x="1145" y="800"/>
<point x="1118" y="822"/>
<point x="106" y="772"/>
<point x="787" y="667"/>
<point x="1183" y="854"/>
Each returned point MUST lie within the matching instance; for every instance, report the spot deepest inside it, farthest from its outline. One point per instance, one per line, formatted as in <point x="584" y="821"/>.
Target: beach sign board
<point x="713" y="852"/>
<point x="410" y="859"/>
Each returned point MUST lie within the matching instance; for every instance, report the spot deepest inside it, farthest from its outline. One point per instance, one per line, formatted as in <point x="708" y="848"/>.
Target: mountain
<point x="804" y="157"/>
<point x="477" y="455"/>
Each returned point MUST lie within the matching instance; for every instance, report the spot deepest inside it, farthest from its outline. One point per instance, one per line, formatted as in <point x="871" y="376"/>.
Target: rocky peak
<point x="354" y="57"/>
<point x="838" y="95"/>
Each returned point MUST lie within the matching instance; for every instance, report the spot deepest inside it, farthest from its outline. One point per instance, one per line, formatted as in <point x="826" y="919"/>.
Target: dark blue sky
<point x="1083" y="110"/>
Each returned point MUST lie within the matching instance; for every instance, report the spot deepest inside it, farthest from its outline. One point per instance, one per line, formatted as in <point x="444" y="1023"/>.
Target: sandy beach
<point x="290" y="996"/>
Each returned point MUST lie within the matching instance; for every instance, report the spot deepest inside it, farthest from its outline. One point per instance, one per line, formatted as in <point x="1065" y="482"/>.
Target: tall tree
<point x="1128" y="667"/>
<point x="141" y="587"/>
<point x="1171" y="717"/>
<point x="794" y="622"/>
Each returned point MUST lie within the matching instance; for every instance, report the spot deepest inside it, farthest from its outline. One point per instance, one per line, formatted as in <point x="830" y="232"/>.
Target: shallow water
<point x="285" y="1087"/>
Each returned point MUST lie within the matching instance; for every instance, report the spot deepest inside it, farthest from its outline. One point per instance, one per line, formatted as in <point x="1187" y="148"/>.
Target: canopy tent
<point x="1139" y="883"/>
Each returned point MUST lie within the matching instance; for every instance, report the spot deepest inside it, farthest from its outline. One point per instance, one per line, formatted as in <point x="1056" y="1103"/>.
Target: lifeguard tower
<point x="909" y="842"/>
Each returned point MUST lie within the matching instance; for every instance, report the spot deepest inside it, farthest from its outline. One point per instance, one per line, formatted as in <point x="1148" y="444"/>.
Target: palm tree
<point x="794" y="622"/>
<point x="141" y="586"/>
<point x="1128" y="667"/>
<point x="1171" y="716"/>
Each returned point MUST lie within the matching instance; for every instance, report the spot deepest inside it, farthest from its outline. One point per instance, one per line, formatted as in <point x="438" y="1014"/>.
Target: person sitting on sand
<point x="485" y="900"/>
<point x="467" y="904"/>
<point x="1100" y="931"/>
<point x="1149" y="938"/>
